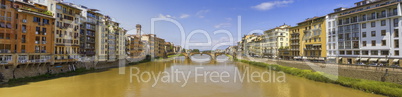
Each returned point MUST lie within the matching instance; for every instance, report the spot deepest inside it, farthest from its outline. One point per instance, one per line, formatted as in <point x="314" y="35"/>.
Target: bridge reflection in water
<point x="112" y="84"/>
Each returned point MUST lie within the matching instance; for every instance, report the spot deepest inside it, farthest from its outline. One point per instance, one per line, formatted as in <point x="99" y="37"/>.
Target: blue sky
<point x="211" y="15"/>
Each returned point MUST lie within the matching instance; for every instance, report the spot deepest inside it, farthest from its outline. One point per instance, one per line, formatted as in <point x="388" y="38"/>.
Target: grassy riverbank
<point x="176" y="55"/>
<point x="80" y="71"/>
<point x="383" y="88"/>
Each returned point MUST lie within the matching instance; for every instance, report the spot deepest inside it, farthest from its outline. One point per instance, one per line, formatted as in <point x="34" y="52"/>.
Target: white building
<point x="274" y="39"/>
<point x="369" y="32"/>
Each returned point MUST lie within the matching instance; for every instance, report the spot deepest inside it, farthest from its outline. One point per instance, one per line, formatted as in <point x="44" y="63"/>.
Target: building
<point x="25" y="34"/>
<point x="169" y="48"/>
<point x="308" y="40"/>
<point x="245" y="45"/>
<point x="368" y="32"/>
<point x="154" y="46"/>
<point x="134" y="44"/>
<point x="67" y="26"/>
<point x="92" y="28"/>
<point x="274" y="39"/>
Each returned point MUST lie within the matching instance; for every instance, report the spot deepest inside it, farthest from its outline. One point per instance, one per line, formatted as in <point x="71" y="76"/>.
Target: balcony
<point x="43" y="42"/>
<point x="355" y="30"/>
<point x="43" y="51"/>
<point x="362" y="19"/>
<point x="392" y="14"/>
<point x="355" y="38"/>
<point x="371" y="18"/>
<point x="3" y="6"/>
<point x="5" y="51"/>
<point x="382" y="16"/>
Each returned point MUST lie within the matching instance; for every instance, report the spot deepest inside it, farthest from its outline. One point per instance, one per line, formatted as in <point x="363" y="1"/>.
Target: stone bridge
<point x="212" y="54"/>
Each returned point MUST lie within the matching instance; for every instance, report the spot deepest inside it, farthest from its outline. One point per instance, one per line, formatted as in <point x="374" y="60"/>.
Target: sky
<point x="210" y="24"/>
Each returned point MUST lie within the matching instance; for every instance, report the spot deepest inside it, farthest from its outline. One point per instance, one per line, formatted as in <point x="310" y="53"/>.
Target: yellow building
<point x="308" y="39"/>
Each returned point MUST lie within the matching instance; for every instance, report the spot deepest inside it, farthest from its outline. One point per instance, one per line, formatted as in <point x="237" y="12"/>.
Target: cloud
<point x="164" y="16"/>
<point x="182" y="16"/>
<point x="201" y="13"/>
<point x="226" y="24"/>
<point x="272" y="4"/>
<point x="223" y="25"/>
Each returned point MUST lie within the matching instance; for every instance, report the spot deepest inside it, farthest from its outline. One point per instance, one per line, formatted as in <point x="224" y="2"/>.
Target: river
<point x="183" y="78"/>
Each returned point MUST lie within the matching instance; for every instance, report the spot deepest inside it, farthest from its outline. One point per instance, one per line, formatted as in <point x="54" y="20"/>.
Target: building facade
<point x="274" y="39"/>
<point x="67" y="25"/>
<point x="369" y="32"/>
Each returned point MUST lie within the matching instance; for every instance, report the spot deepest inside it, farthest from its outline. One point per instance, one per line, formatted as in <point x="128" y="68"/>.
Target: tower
<point x="138" y="26"/>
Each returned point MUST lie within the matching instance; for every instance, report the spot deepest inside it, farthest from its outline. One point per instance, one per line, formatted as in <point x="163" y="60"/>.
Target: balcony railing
<point x="5" y="51"/>
<point x="355" y="38"/>
<point x="382" y="16"/>
<point x="392" y="14"/>
<point x="371" y="18"/>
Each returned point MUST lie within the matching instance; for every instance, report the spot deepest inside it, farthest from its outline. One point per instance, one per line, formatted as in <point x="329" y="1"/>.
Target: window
<point x="383" y="23"/>
<point x="45" y="21"/>
<point x="374" y="52"/>
<point x="342" y="52"/>
<point x="364" y="43"/>
<point x="58" y="7"/>
<point x="365" y="52"/>
<point x="372" y="24"/>
<point x="396" y="32"/>
<point x="22" y="48"/>
<point x="1" y="35"/>
<point x="7" y="36"/>
<point x="364" y="34"/>
<point x="383" y="32"/>
<point x="373" y="43"/>
<point x="383" y="13"/>
<point x="396" y="52"/>
<point x="373" y="33"/>
<point x="383" y="42"/>
<point x="356" y="52"/>
<point x="396" y="43"/>
<point x="23" y="39"/>
<point x="364" y="25"/>
<point x="395" y="11"/>
<point x="384" y="52"/>
<point x="372" y="15"/>
<point x="36" y="19"/>
<point x="396" y="22"/>
<point x="349" y="52"/>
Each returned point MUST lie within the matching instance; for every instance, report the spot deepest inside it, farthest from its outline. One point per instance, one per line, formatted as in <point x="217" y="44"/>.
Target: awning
<point x="329" y="58"/>
<point x="321" y="58"/>
<point x="382" y="60"/>
<point x="373" y="59"/>
<point x="363" y="59"/>
<point x="357" y="58"/>
<point x="304" y="58"/>
<point x="316" y="44"/>
<point x="396" y="60"/>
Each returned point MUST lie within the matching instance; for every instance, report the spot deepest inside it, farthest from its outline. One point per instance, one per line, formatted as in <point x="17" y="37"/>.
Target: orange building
<point x="26" y="34"/>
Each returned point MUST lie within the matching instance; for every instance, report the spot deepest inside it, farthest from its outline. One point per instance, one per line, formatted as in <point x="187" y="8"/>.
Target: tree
<point x="195" y="50"/>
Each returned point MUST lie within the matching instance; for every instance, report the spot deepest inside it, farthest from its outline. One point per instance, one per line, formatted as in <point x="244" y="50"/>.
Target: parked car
<point x="373" y="64"/>
<point x="395" y="66"/>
